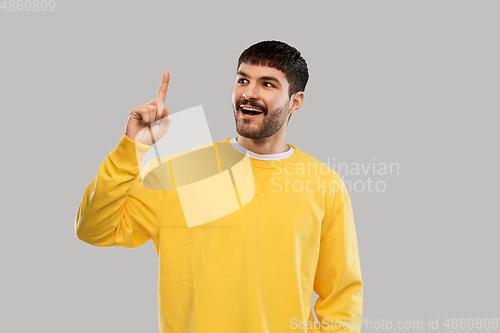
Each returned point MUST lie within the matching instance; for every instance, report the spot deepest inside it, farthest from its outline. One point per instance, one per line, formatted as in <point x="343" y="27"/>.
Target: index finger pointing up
<point x="162" y="92"/>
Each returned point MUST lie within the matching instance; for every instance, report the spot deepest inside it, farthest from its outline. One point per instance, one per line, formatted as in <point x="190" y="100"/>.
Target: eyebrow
<point x="262" y="78"/>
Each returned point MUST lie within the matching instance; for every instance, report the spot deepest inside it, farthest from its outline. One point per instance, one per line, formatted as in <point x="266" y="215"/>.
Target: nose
<point x="251" y="92"/>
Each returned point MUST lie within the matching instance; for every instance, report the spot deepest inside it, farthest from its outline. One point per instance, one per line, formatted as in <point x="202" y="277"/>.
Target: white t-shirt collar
<point x="265" y="157"/>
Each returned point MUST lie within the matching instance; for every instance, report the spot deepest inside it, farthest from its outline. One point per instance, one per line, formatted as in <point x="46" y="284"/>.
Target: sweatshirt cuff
<point x="129" y="153"/>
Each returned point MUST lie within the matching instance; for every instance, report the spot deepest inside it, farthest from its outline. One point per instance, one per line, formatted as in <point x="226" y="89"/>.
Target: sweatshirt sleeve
<point x="338" y="280"/>
<point x="116" y="209"/>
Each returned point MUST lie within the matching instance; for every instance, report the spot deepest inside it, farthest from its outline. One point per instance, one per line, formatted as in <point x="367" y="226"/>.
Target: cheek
<point x="272" y="103"/>
<point x="234" y="95"/>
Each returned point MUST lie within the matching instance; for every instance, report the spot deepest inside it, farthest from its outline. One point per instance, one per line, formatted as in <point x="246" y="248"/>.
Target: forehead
<point x="257" y="71"/>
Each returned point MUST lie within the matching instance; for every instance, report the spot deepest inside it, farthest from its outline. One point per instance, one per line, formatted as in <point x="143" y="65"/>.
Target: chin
<point x="252" y="135"/>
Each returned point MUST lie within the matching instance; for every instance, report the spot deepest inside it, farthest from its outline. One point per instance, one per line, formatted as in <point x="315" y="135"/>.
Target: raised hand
<point x="147" y="123"/>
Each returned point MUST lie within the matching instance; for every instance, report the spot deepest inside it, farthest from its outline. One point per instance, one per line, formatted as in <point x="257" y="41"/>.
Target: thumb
<point x="166" y="112"/>
<point x="165" y="121"/>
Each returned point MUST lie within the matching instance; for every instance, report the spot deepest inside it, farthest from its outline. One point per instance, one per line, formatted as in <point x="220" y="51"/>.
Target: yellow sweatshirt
<point x="242" y="243"/>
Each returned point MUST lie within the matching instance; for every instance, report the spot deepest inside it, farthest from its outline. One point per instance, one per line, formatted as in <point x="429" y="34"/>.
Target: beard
<point x="270" y="125"/>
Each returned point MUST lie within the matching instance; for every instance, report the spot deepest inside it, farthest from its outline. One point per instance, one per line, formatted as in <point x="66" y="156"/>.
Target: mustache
<point x="252" y="103"/>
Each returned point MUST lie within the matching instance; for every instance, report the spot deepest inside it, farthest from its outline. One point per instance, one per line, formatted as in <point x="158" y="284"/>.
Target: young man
<point x="245" y="229"/>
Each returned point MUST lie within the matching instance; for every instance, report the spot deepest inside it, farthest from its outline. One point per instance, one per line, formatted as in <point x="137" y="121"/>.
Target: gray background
<point x="407" y="82"/>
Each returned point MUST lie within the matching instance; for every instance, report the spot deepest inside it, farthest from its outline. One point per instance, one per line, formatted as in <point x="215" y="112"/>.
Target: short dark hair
<point x="281" y="56"/>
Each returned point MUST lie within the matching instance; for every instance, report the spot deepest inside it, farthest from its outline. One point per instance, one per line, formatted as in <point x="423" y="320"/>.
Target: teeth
<point x="249" y="109"/>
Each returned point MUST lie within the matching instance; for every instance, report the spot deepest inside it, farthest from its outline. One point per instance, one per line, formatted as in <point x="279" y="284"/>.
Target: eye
<point x="268" y="84"/>
<point x="241" y="80"/>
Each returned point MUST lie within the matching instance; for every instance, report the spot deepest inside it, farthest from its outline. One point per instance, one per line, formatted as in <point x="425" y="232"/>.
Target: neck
<point x="272" y="145"/>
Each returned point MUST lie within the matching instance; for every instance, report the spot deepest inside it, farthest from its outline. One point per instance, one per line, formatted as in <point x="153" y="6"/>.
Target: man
<point x="246" y="260"/>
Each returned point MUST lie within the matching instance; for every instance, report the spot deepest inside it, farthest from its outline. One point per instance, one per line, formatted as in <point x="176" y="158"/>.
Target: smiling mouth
<point x="250" y="110"/>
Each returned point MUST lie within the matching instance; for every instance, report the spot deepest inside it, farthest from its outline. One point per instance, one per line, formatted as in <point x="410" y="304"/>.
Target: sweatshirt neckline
<point x="231" y="151"/>
<point x="265" y="157"/>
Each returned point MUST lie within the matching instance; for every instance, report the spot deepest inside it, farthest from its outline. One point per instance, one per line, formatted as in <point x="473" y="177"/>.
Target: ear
<point x="296" y="102"/>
